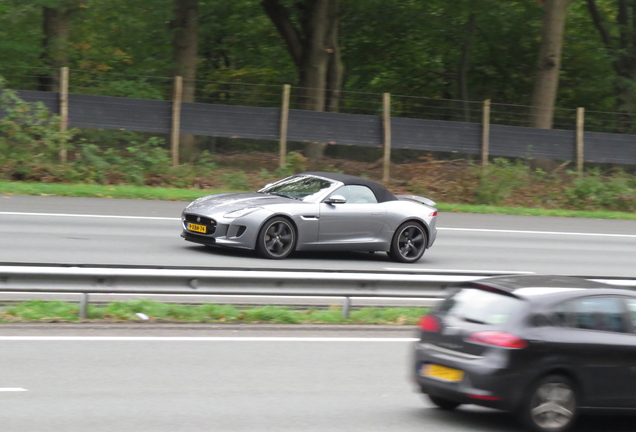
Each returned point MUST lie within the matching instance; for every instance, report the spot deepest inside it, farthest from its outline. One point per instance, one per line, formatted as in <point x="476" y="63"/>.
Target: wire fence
<point x="114" y="101"/>
<point x="106" y="83"/>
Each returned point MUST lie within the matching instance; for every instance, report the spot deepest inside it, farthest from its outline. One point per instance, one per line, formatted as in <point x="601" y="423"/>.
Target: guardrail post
<point x="83" y="310"/>
<point x="346" y="307"/>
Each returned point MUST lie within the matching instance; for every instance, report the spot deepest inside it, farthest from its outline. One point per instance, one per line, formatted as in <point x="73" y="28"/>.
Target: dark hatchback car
<point x="543" y="347"/>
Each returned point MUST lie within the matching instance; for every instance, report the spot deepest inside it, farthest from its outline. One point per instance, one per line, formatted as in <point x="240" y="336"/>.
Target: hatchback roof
<point x="512" y="283"/>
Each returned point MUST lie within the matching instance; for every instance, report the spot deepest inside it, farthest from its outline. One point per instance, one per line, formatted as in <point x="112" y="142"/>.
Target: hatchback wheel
<point x="408" y="243"/>
<point x="550" y="405"/>
<point x="445" y="404"/>
<point x="277" y="239"/>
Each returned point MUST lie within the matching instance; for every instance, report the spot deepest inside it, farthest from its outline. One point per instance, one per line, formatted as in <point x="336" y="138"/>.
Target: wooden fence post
<point x="485" y="134"/>
<point x="386" y="122"/>
<point x="176" y="119"/>
<point x="284" y="123"/>
<point x="63" y="111"/>
<point x="580" y="118"/>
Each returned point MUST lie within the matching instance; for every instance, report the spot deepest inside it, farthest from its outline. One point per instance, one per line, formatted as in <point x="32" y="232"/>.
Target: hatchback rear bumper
<point x="484" y="382"/>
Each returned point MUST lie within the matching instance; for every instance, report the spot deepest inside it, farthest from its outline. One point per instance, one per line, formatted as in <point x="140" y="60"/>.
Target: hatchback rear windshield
<point x="479" y="306"/>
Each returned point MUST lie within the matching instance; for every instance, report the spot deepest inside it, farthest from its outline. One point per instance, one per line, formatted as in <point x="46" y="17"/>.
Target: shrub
<point x="498" y="180"/>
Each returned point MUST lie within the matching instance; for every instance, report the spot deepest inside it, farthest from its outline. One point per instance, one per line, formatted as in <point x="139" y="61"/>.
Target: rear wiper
<point x="474" y="321"/>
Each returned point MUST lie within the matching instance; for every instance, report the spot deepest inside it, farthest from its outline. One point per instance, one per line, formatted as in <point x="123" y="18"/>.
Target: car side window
<point x="597" y="313"/>
<point x="356" y="194"/>
<point x="631" y="308"/>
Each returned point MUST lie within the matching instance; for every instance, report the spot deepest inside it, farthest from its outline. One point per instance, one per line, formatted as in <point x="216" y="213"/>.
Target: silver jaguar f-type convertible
<point x="314" y="211"/>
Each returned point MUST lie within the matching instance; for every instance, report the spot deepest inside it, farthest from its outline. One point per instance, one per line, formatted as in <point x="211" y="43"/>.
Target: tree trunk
<point x="316" y="53"/>
<point x="547" y="79"/>
<point x="462" y="81"/>
<point x="56" y="24"/>
<point x="184" y="52"/>
<point x="623" y="52"/>
<point x="548" y="67"/>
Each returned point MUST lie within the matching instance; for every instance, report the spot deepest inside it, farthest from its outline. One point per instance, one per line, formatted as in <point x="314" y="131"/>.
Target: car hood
<point x="235" y="201"/>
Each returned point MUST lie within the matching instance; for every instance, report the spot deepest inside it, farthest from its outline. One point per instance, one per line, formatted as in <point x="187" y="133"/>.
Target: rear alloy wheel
<point x="551" y="405"/>
<point x="277" y="239"/>
<point x="445" y="404"/>
<point x="409" y="243"/>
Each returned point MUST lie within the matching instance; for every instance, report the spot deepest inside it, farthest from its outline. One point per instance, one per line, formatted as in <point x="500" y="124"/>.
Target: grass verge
<point x="176" y="194"/>
<point x="58" y="311"/>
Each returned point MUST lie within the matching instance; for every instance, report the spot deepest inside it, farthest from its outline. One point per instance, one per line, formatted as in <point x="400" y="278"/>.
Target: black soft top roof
<point x="381" y="193"/>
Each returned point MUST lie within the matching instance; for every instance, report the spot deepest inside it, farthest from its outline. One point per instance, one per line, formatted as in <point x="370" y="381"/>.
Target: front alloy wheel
<point x="551" y="406"/>
<point x="409" y="243"/>
<point x="277" y="239"/>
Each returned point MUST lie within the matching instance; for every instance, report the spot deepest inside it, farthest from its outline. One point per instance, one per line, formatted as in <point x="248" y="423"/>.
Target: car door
<point x="359" y="220"/>
<point x="597" y="343"/>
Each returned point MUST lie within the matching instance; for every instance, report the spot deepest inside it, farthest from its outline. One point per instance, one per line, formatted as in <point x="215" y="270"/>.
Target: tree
<point x="185" y="41"/>
<point x="311" y="37"/>
<point x="56" y="25"/>
<point x="549" y="62"/>
<point x="620" y="43"/>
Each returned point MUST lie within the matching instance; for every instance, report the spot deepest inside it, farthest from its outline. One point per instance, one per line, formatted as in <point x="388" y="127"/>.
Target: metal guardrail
<point x="136" y="280"/>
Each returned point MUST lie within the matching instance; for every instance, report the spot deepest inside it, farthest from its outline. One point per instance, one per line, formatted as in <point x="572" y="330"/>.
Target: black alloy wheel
<point x="409" y="243"/>
<point x="445" y="404"/>
<point x="550" y="405"/>
<point x="277" y="239"/>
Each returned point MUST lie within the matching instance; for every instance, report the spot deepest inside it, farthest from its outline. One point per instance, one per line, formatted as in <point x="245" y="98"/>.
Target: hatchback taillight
<point x="429" y="323"/>
<point x="500" y="339"/>
<point x="433" y="213"/>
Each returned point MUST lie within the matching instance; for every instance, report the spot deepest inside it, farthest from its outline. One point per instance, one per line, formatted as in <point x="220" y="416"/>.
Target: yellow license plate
<point x="442" y="372"/>
<point x="198" y="228"/>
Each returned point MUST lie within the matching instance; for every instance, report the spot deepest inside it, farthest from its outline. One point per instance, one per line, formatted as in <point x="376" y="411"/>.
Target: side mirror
<point x="335" y="199"/>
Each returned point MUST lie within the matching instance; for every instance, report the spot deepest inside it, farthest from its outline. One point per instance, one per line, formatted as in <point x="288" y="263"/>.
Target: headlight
<point x="241" y="212"/>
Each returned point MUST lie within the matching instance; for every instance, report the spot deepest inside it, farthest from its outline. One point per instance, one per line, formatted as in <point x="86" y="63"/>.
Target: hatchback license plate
<point x="198" y="228"/>
<point x="442" y="372"/>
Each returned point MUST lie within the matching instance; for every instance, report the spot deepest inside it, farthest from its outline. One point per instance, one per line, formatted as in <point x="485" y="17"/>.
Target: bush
<point x="498" y="180"/>
<point x="617" y="192"/>
<point x="30" y="136"/>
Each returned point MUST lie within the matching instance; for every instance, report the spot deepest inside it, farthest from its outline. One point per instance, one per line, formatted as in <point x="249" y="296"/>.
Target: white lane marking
<point x="200" y="339"/>
<point x="561" y="233"/>
<point x="439" y="228"/>
<point x="446" y="271"/>
<point x="88" y="216"/>
<point x="12" y="389"/>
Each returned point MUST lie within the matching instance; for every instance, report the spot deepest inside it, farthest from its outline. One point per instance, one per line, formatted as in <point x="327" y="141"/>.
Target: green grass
<point x="57" y="311"/>
<point x="175" y="194"/>
<point x="485" y="209"/>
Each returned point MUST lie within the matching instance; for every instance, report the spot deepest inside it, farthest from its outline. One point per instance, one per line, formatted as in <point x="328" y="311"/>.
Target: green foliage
<point x="37" y="310"/>
<point x="42" y="310"/>
<point x="616" y="192"/>
<point x="294" y="163"/>
<point x="236" y="180"/>
<point x="498" y="181"/>
<point x="30" y="136"/>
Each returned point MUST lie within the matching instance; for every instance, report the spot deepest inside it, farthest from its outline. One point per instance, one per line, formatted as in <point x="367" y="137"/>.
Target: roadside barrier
<point x="86" y="280"/>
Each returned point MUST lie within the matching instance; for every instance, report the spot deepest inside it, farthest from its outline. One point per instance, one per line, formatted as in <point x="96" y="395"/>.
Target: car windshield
<point x="481" y="307"/>
<point x="298" y="187"/>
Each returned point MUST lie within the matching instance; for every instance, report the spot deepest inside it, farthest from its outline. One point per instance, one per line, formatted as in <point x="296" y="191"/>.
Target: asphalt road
<point x="225" y="379"/>
<point x="124" y="232"/>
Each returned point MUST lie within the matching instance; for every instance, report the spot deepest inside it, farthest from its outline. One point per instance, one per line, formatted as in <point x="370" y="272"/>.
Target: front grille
<point x="202" y="220"/>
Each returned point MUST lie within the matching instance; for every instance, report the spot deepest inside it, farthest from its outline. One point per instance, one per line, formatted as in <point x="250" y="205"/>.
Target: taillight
<point x="433" y="214"/>
<point x="429" y="323"/>
<point x="500" y="339"/>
